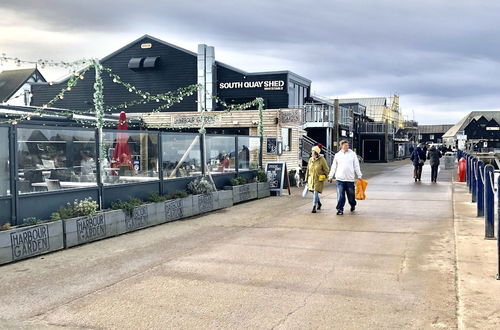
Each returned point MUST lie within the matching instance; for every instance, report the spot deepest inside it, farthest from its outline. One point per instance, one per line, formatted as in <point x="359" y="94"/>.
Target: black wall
<point x="176" y="69"/>
<point x="274" y="99"/>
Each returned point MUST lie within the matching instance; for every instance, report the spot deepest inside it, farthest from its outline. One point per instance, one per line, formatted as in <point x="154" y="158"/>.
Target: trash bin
<point x="449" y="160"/>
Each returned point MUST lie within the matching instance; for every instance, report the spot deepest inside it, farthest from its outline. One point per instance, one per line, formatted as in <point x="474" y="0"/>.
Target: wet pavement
<point x="266" y="264"/>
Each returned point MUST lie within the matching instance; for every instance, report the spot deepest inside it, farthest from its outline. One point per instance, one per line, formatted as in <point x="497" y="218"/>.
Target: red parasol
<point x="121" y="155"/>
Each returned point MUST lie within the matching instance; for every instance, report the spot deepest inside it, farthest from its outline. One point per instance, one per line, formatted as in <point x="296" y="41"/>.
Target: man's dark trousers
<point x="343" y="188"/>
<point x="434" y="172"/>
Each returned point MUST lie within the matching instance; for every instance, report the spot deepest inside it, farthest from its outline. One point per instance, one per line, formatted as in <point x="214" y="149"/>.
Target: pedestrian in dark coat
<point x="418" y="159"/>
<point x="433" y="155"/>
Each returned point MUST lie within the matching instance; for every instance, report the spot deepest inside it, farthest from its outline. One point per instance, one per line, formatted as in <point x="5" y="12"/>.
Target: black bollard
<point x="489" y="202"/>
<point x="473" y="177"/>
<point x="480" y="188"/>
<point x="469" y="171"/>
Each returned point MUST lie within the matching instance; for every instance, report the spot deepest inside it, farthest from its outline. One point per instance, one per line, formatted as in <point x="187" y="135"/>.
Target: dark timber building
<point x="157" y="67"/>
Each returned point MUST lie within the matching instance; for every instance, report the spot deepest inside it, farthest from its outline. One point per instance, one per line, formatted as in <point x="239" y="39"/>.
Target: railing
<point x="322" y="113"/>
<point x="306" y="144"/>
<point x="376" y="128"/>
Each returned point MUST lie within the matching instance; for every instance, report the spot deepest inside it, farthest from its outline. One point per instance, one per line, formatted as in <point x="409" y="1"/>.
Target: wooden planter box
<point x="244" y="192"/>
<point x="142" y="216"/>
<point x="24" y="242"/>
<point x="263" y="190"/>
<point x="176" y="209"/>
<point x="93" y="228"/>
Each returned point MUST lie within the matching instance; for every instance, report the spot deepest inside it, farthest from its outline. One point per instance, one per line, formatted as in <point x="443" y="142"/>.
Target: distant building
<point x="478" y="131"/>
<point x="381" y="109"/>
<point x="15" y="85"/>
<point x="432" y="133"/>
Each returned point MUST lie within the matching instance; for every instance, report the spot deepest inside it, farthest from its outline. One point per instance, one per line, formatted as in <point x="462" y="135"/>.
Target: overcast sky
<point x="441" y="56"/>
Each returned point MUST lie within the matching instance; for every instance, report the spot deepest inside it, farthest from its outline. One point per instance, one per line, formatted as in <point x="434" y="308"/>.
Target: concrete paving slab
<point x="264" y="264"/>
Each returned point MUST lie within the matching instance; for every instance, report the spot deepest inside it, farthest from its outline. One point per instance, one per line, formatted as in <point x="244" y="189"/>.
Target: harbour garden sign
<point x="276" y="85"/>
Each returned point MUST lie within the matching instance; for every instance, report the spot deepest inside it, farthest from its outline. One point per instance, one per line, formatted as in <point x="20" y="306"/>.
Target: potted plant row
<point x="245" y="190"/>
<point x="79" y="222"/>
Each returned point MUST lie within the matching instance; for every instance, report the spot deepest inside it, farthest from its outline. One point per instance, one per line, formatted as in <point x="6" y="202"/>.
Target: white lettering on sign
<point x="265" y="84"/>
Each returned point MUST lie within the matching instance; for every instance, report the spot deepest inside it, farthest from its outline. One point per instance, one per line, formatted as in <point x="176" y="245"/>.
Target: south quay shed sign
<point x="272" y="85"/>
<point x="30" y="242"/>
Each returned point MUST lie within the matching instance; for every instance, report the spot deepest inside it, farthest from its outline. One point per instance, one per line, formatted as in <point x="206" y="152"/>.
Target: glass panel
<point x="181" y="155"/>
<point x="54" y="159"/>
<point x="4" y="162"/>
<point x="220" y="153"/>
<point x="291" y="95"/>
<point x="301" y="96"/>
<point x="297" y="96"/>
<point x="248" y="152"/>
<point x="130" y="157"/>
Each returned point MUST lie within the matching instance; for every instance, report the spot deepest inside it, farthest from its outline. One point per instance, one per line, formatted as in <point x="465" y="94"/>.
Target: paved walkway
<point x="267" y="264"/>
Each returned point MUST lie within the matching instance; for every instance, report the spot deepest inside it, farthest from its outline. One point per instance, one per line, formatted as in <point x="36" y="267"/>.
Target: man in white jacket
<point x="344" y="168"/>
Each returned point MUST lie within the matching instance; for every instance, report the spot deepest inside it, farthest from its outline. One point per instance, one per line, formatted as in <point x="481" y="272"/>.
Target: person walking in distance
<point x="433" y="155"/>
<point x="418" y="159"/>
<point x="344" y="168"/>
<point x="317" y="170"/>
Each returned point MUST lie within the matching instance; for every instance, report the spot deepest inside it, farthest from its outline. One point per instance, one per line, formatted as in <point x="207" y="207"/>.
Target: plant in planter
<point x="238" y="181"/>
<point x="5" y="226"/>
<point x="156" y="198"/>
<point x="178" y="194"/>
<point x="83" y="208"/>
<point x="261" y="176"/>
<point x="31" y="221"/>
<point x="200" y="186"/>
<point x="128" y="207"/>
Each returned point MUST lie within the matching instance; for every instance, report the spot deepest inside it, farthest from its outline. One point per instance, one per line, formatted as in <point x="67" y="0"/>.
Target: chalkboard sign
<point x="277" y="176"/>
<point x="272" y="146"/>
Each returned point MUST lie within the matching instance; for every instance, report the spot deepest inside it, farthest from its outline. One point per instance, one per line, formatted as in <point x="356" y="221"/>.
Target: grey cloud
<point x="444" y="52"/>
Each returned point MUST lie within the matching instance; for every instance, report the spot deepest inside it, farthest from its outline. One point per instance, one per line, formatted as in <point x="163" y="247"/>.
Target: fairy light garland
<point x="169" y="98"/>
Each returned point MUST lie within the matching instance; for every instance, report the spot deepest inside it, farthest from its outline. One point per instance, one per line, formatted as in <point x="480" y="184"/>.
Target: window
<point x="181" y="155"/>
<point x="130" y="157"/>
<point x="291" y="95"/>
<point x="297" y="95"/>
<point x="248" y="152"/>
<point x="4" y="162"/>
<point x="54" y="159"/>
<point x="301" y="96"/>
<point x="431" y="136"/>
<point x="286" y="137"/>
<point x="221" y="152"/>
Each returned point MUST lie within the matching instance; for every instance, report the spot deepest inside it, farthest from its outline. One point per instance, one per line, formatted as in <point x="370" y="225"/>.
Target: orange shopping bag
<point x="360" y="189"/>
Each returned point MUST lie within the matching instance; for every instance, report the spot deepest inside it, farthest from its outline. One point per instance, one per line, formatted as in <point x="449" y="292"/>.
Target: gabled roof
<point x="295" y="76"/>
<point x="453" y="131"/>
<point x="430" y="129"/>
<point x="12" y="80"/>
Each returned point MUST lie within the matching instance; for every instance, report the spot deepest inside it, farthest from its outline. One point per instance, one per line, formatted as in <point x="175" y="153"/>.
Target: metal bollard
<point x="469" y="172"/>
<point x="467" y="169"/>
<point x="498" y="228"/>
<point x="489" y="202"/>
<point x="474" y="179"/>
<point x="480" y="188"/>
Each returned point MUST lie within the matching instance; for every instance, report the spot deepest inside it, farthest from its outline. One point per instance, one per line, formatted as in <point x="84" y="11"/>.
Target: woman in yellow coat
<point x="316" y="175"/>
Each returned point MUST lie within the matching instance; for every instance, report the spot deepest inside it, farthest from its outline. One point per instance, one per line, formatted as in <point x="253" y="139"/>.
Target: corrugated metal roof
<point x="429" y="129"/>
<point x="453" y="131"/>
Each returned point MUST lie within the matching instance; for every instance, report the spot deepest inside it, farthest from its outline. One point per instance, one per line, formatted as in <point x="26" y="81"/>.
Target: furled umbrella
<point x="122" y="157"/>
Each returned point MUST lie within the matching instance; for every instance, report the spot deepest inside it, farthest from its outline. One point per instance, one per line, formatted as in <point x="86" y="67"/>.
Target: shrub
<point x="156" y="198"/>
<point x="5" y="226"/>
<point x="178" y="194"/>
<point x="83" y="208"/>
<point x="128" y="207"/>
<point x="200" y="186"/>
<point x="31" y="221"/>
<point x="261" y="176"/>
<point x="55" y="216"/>
<point x="238" y="181"/>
